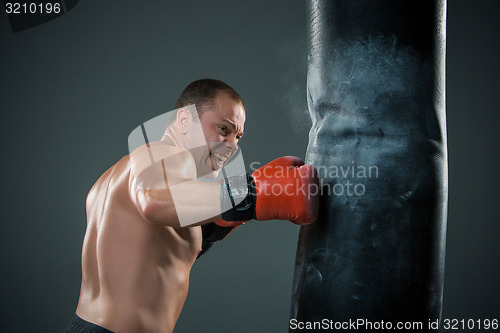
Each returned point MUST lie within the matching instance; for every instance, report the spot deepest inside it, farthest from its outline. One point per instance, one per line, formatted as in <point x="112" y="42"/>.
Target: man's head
<point x="202" y="93"/>
<point x="221" y="115"/>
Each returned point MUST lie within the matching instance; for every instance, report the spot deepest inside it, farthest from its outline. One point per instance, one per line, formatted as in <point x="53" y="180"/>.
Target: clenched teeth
<point x="220" y="157"/>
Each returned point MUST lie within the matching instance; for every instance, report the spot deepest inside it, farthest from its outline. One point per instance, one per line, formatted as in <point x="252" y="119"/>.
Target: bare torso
<point x="135" y="275"/>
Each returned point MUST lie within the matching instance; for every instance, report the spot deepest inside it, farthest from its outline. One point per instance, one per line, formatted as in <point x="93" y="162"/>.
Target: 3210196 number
<point x="470" y="324"/>
<point x="32" y="8"/>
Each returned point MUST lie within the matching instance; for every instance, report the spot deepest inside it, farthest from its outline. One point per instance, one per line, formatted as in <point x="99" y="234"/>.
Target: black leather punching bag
<point x="376" y="96"/>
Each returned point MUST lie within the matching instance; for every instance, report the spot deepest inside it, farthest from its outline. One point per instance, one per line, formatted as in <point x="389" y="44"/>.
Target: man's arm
<point x="164" y="188"/>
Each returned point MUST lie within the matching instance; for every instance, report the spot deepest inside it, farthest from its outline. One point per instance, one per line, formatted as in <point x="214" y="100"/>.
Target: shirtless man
<point x="143" y="233"/>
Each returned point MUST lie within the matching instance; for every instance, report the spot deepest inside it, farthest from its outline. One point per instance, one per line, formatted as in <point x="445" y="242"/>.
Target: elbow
<point x="149" y="212"/>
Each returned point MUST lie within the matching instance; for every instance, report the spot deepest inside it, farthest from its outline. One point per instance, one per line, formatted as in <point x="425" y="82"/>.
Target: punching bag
<point x="376" y="96"/>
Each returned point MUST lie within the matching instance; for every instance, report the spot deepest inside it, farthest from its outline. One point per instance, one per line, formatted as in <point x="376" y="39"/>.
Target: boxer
<point x="145" y="214"/>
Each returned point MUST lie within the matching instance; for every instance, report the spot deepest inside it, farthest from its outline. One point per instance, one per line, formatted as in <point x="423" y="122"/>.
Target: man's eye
<point x="223" y="129"/>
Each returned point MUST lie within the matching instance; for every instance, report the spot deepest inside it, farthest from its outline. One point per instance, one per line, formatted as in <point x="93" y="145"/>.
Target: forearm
<point x="189" y="203"/>
<point x="196" y="202"/>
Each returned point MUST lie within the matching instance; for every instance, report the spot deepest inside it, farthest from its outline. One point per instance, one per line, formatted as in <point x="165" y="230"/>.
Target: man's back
<point x="135" y="274"/>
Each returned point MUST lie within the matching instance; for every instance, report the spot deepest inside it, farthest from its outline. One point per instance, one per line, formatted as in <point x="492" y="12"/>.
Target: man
<point x="144" y="213"/>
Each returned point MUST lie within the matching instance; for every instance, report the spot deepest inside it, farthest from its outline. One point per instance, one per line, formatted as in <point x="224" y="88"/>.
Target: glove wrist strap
<point x="238" y="198"/>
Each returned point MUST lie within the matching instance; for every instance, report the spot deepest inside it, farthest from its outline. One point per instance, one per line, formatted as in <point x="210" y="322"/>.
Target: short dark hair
<point x="202" y="92"/>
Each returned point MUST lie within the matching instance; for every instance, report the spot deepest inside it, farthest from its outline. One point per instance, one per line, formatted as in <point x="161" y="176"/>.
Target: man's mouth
<point x="220" y="158"/>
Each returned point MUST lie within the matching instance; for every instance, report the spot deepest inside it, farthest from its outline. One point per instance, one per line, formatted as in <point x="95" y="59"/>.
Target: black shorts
<point x="78" y="325"/>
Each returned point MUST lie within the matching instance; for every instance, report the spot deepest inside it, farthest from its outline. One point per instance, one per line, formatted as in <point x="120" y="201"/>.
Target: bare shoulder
<point x="159" y="157"/>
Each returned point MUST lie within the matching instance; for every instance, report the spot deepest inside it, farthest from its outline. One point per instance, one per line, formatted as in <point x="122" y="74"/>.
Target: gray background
<point x="74" y="88"/>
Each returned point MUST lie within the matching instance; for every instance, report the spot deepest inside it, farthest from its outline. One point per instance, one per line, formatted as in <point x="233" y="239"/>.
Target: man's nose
<point x="231" y="143"/>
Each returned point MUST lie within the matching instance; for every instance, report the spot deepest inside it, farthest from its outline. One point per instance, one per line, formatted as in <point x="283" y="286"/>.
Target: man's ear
<point x="184" y="120"/>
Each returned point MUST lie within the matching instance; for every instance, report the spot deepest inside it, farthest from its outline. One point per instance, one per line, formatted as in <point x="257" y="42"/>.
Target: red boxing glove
<point x="286" y="189"/>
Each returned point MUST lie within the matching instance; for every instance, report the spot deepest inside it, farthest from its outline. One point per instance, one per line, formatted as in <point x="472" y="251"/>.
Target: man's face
<point x="222" y="125"/>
